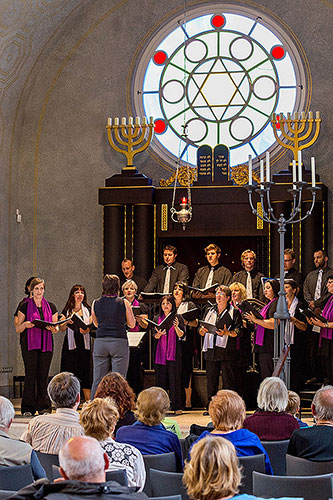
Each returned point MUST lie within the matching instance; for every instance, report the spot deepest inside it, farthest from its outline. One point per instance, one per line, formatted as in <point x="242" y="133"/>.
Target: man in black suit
<point x="164" y="277"/>
<point x="249" y="276"/>
<point x="290" y="272"/>
<point x="128" y="268"/>
<point x="213" y="273"/>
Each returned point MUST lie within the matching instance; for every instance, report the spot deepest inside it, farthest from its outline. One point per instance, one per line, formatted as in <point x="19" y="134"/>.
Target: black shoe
<point x="205" y="413"/>
<point x="27" y="414"/>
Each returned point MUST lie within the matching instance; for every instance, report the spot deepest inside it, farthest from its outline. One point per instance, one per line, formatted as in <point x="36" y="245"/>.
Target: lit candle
<point x="299" y="161"/>
<point x="261" y="174"/>
<point x="144" y="120"/>
<point x="250" y="170"/>
<point x="137" y="120"/>
<point x="109" y="122"/>
<point x="268" y="171"/>
<point x="184" y="201"/>
<point x="151" y="120"/>
<point x="310" y="115"/>
<point x="317" y="115"/>
<point x="116" y="121"/>
<point x="130" y="120"/>
<point x="123" y="121"/>
<point x="313" y="172"/>
<point x="294" y="174"/>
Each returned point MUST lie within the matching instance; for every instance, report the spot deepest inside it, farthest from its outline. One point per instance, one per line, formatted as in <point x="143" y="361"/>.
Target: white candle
<point x="296" y="115"/>
<point x="123" y="121"/>
<point x="151" y="120"/>
<point x="137" y="120"/>
<point x="288" y="116"/>
<point x="303" y="115"/>
<point x="317" y="115"/>
<point x="130" y="120"/>
<point x="313" y="172"/>
<point x="274" y="116"/>
<point x="250" y="170"/>
<point x="310" y="115"/>
<point x="144" y="120"/>
<point x="116" y="121"/>
<point x="299" y="161"/>
<point x="109" y="122"/>
<point x="261" y="174"/>
<point x="294" y="174"/>
<point x="268" y="171"/>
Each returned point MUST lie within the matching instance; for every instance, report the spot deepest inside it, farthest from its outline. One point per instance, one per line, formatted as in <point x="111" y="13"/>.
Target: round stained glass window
<point x="216" y="79"/>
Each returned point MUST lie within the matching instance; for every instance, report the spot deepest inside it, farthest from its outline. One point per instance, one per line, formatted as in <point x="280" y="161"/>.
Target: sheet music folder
<point x="134" y="338"/>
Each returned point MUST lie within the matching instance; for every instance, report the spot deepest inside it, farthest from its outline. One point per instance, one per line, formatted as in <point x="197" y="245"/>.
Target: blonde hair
<point x="272" y="395"/>
<point x="213" y="471"/>
<point x="294" y="402"/>
<point x="248" y="250"/>
<point x="212" y="246"/>
<point x="152" y="405"/>
<point x="227" y="410"/>
<point x="241" y="287"/>
<point x="99" y="418"/>
<point x="128" y="284"/>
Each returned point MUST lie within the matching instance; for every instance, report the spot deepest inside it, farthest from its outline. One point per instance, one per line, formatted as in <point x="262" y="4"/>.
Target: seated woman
<point x="148" y="434"/>
<point x="98" y="419"/>
<point x="114" y="386"/>
<point x="227" y="411"/>
<point x="213" y="472"/>
<point x="271" y="422"/>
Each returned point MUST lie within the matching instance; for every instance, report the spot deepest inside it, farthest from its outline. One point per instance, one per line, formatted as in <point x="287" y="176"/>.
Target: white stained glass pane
<point x="238" y="23"/>
<point x="173" y="73"/>
<point x="240" y="155"/>
<point x="183" y="66"/>
<point x="173" y="91"/>
<point x="265" y="37"/>
<point x="171" y="141"/>
<point x="211" y="40"/>
<point x="211" y="138"/>
<point x="286" y="102"/>
<point x="258" y="58"/>
<point x="264" y="87"/>
<point x="152" y="77"/>
<point x="262" y="70"/>
<point x="241" y="48"/>
<point x="225" y="137"/>
<point x="258" y="119"/>
<point x="286" y="71"/>
<point x="225" y="40"/>
<point x="196" y="50"/>
<point x="151" y="104"/>
<point x="197" y="130"/>
<point x="172" y="41"/>
<point x="241" y="128"/>
<point x="178" y="122"/>
<point x="264" y="140"/>
<point x="190" y="156"/>
<point x="267" y="107"/>
<point x="198" y="25"/>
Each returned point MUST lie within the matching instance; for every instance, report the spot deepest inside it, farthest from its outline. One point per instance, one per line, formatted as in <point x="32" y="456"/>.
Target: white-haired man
<point x="83" y="463"/>
<point x="317" y="441"/>
<point x="12" y="451"/>
<point x="47" y="433"/>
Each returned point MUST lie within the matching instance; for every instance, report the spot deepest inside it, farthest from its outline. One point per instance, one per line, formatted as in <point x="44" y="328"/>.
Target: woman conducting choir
<point x="220" y="347"/>
<point x="37" y="348"/>
<point x="76" y="350"/>
<point x="326" y="333"/>
<point x="110" y="314"/>
<point x="183" y="304"/>
<point x="264" y="338"/>
<point x="167" y="352"/>
<point x="135" y="372"/>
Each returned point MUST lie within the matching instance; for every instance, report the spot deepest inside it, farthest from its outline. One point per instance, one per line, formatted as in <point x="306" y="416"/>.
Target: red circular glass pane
<point x="278" y="52"/>
<point x="160" y="57"/>
<point x="160" y="126"/>
<point x="218" y="21"/>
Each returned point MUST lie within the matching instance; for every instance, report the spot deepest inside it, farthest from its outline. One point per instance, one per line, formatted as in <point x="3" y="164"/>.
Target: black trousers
<point x="266" y="364"/>
<point x="36" y="365"/>
<point x="229" y="376"/>
<point x="169" y="377"/>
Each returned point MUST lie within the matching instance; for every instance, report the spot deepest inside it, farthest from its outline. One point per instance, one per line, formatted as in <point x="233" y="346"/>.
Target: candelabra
<point x="282" y="317"/>
<point x="135" y="137"/>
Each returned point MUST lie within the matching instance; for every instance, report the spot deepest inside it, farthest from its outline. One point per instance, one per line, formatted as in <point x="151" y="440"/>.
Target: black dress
<point x="266" y="351"/>
<point x="78" y="360"/>
<point x="298" y="353"/>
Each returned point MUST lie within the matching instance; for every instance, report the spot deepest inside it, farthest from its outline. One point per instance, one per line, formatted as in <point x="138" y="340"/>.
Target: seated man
<point x="164" y="277"/>
<point x="13" y="451"/>
<point x="249" y="276"/>
<point x="47" y="433"/>
<point x="82" y="465"/>
<point x="316" y="442"/>
<point x="213" y="273"/>
<point x="128" y="268"/>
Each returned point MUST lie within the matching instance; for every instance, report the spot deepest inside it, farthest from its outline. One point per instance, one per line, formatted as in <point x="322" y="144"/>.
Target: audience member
<point x="249" y="276"/>
<point x="128" y="267"/>
<point x="47" y="433"/>
<point x="227" y="411"/>
<point x="213" y="473"/>
<point x="293" y="407"/>
<point x="98" y="419"/>
<point x="316" y="442"/>
<point x="213" y="272"/>
<point x="114" y="386"/>
<point x="271" y="422"/>
<point x="148" y="434"/>
<point x="164" y="277"/>
<point x="82" y="465"/>
<point x="13" y="451"/>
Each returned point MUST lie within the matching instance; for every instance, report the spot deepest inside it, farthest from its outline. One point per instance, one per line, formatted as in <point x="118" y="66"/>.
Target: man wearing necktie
<point x="213" y="273"/>
<point x="249" y="276"/>
<point x="164" y="277"/>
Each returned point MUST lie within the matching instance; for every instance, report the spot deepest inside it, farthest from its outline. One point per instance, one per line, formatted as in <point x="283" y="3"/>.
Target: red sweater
<point x="271" y="425"/>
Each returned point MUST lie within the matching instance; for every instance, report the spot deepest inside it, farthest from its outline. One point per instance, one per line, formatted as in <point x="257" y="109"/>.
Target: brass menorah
<point x="130" y="135"/>
<point x="292" y="130"/>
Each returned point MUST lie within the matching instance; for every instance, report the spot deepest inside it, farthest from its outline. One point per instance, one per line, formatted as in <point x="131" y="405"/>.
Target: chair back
<point x="250" y="464"/>
<point x="301" y="467"/>
<point x="183" y="447"/>
<point x="277" y="451"/>
<point x="120" y="476"/>
<point x="167" y="483"/>
<point x="309" y="487"/>
<point x="162" y="461"/>
<point x="47" y="460"/>
<point x="15" y="477"/>
<point x="171" y="497"/>
<point x="4" y="494"/>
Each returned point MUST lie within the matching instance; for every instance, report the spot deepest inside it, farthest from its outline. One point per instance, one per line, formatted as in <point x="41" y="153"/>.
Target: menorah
<point x="130" y="135"/>
<point x="282" y="317"/>
<point x="292" y="129"/>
